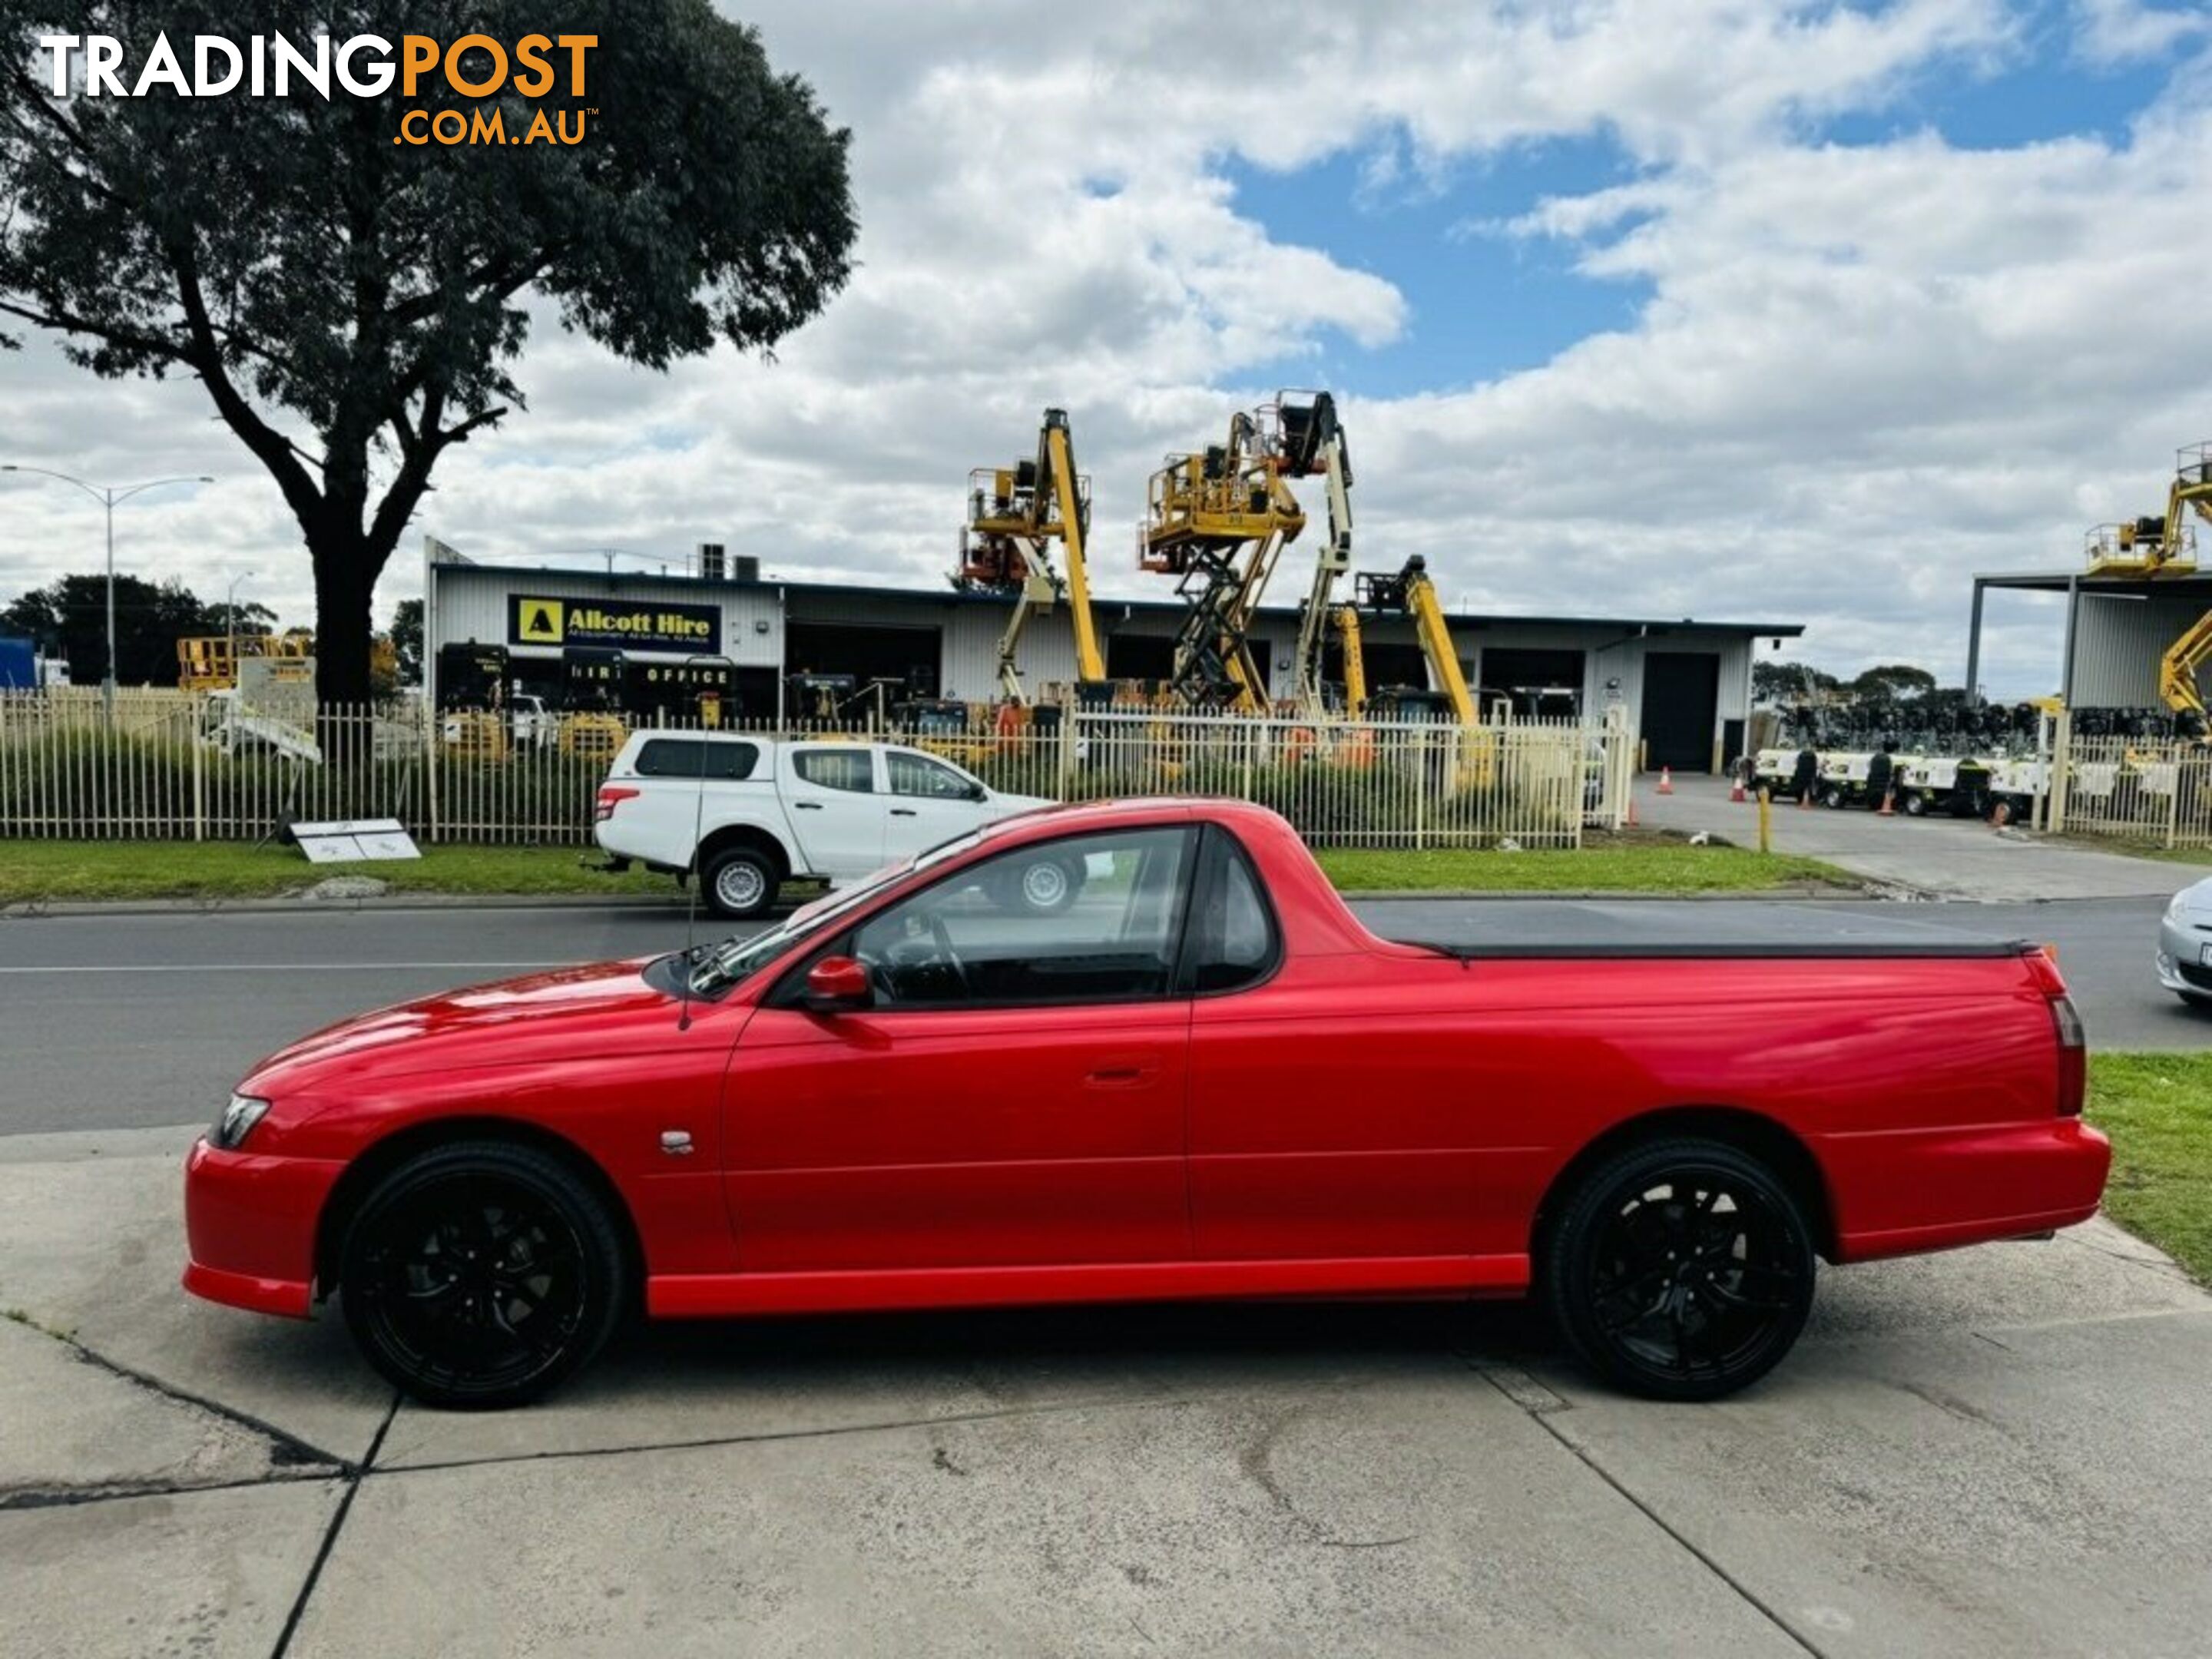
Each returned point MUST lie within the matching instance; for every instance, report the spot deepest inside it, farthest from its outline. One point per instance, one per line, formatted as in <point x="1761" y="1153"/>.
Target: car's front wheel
<point x="1681" y="1269"/>
<point x="481" y="1273"/>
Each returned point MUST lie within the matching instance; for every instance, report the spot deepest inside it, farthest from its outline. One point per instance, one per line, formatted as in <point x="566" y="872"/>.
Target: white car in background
<point x="2185" y="946"/>
<point x="747" y="814"/>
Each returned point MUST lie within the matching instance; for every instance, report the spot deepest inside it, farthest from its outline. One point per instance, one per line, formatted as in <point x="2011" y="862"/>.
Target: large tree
<point x="356" y="304"/>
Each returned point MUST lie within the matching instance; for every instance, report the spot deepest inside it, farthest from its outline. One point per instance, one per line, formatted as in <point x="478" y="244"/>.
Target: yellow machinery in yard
<point x="1411" y="591"/>
<point x="210" y="663"/>
<point x="1346" y="620"/>
<point x="1013" y="512"/>
<point x="1325" y="451"/>
<point x="1218" y="521"/>
<point x="2159" y="547"/>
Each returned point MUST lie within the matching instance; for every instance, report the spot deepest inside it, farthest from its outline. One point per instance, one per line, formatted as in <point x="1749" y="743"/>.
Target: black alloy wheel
<point x="1681" y="1269"/>
<point x="480" y="1275"/>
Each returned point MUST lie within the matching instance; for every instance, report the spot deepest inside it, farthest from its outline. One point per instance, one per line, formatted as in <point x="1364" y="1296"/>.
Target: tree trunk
<point x="346" y="577"/>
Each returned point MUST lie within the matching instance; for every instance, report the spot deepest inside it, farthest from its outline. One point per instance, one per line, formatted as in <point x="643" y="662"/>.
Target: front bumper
<point x="250" y="1226"/>
<point x="2179" y="962"/>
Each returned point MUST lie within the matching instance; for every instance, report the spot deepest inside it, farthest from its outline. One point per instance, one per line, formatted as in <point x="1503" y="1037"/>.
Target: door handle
<point x="1120" y="1073"/>
<point x="808" y="806"/>
<point x="902" y="811"/>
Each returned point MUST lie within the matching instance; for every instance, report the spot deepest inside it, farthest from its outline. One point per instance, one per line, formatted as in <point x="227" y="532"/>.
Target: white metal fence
<point x="203" y="768"/>
<point x="2131" y="788"/>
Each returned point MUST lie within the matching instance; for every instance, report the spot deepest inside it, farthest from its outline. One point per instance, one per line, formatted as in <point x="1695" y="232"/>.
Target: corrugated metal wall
<point x="2118" y="643"/>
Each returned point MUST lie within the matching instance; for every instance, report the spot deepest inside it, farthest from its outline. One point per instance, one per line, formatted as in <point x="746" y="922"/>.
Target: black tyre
<point x="481" y="1274"/>
<point x="1914" y="803"/>
<point x="1681" y="1269"/>
<point x="2200" y="1001"/>
<point x="738" y="882"/>
<point x="1833" y="798"/>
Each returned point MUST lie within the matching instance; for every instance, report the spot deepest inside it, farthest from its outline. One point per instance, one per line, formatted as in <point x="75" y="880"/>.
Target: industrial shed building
<point x="1686" y="685"/>
<point x="2117" y="626"/>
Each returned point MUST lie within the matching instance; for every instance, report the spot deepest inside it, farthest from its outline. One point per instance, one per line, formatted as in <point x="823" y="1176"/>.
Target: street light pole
<point x="108" y="496"/>
<point x="230" y="622"/>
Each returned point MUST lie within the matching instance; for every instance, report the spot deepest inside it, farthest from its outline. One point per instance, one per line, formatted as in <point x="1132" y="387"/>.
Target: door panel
<point x="1329" y="1118"/>
<point x="921" y="1138"/>
<point x="839" y="830"/>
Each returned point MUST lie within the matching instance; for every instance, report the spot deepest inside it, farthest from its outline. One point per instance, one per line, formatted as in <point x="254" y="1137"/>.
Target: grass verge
<point x="34" y="871"/>
<point x="53" y="870"/>
<point x="1608" y="865"/>
<point x="2158" y="1111"/>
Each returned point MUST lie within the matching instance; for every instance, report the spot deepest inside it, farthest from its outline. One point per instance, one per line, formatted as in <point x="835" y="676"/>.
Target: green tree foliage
<point x="1789" y="681"/>
<point x="353" y="306"/>
<point x="407" y="640"/>
<point x="70" y="618"/>
<point x="1896" y="679"/>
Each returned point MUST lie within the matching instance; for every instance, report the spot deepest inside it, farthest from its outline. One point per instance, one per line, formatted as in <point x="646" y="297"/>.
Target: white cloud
<point x="1864" y="373"/>
<point x="2109" y="32"/>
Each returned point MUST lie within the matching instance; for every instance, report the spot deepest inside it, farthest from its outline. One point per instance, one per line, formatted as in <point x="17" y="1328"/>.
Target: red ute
<point x="1181" y="1068"/>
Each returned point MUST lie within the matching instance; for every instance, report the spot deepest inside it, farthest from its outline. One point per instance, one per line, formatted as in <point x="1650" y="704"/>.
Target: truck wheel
<point x="739" y="882"/>
<point x="1679" y="1270"/>
<point x="1914" y="805"/>
<point x="481" y="1273"/>
<point x="1832" y="798"/>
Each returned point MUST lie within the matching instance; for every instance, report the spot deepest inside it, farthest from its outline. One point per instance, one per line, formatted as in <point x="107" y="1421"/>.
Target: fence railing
<point x="208" y="769"/>
<point x="2131" y="788"/>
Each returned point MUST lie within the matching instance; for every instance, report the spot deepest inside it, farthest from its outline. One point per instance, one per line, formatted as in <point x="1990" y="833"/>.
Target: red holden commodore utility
<point x="1203" y="1079"/>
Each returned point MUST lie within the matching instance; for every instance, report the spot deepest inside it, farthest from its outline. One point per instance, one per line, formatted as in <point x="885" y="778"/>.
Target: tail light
<point x="2066" y="1022"/>
<point x="612" y="795"/>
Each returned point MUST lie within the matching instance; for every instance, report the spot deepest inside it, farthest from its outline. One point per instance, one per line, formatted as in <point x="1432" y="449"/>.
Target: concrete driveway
<point x="1945" y="858"/>
<point x="1998" y="1452"/>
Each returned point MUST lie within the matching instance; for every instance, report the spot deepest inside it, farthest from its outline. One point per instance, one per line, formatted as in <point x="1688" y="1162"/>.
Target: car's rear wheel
<point x="1681" y="1269"/>
<point x="740" y="882"/>
<point x="481" y="1274"/>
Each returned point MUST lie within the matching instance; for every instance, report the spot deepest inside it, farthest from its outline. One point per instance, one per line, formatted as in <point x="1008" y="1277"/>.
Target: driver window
<point x="917" y="774"/>
<point x="1090" y="919"/>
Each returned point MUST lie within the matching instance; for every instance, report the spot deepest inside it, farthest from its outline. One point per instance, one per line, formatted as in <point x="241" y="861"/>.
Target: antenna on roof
<point x="698" y="870"/>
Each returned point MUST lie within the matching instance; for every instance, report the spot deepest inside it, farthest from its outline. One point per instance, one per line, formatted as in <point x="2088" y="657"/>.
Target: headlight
<point x="236" y="1122"/>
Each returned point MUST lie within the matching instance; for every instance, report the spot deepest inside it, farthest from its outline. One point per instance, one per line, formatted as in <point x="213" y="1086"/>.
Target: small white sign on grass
<point x="354" y="840"/>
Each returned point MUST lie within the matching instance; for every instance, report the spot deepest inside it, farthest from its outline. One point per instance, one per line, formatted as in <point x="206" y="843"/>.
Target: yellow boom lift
<point x="1412" y="592"/>
<point x="1218" y="520"/>
<point x="2177" y="543"/>
<point x="1322" y="436"/>
<point x="2159" y="547"/>
<point x="1012" y="514"/>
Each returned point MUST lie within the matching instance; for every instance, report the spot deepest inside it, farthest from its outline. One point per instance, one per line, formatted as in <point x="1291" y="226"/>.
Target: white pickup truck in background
<point x="748" y="813"/>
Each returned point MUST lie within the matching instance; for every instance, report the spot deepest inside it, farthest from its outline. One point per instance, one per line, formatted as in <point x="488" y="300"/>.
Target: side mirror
<point x="838" y="984"/>
<point x="977" y="792"/>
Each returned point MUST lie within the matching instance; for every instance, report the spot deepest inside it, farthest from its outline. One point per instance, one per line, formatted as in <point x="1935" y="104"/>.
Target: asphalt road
<point x="136" y="1021"/>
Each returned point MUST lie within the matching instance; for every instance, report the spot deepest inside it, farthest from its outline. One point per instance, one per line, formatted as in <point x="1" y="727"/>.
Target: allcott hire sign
<point x="628" y="625"/>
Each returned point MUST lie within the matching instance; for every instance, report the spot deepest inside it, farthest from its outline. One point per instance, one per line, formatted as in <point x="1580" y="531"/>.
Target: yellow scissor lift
<point x="1218" y="521"/>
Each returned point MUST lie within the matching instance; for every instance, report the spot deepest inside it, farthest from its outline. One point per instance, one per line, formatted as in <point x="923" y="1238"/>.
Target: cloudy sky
<point x="1729" y="308"/>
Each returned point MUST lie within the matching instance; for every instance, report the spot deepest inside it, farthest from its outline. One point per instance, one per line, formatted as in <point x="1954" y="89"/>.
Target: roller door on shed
<point x="911" y="656"/>
<point x="1681" y="695"/>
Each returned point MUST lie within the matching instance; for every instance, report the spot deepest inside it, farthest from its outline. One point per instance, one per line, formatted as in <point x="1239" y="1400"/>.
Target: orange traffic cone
<point x="2002" y="816"/>
<point x="1888" y="807"/>
<point x="1666" y="781"/>
<point x="1737" y="793"/>
<point x="1631" y="809"/>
